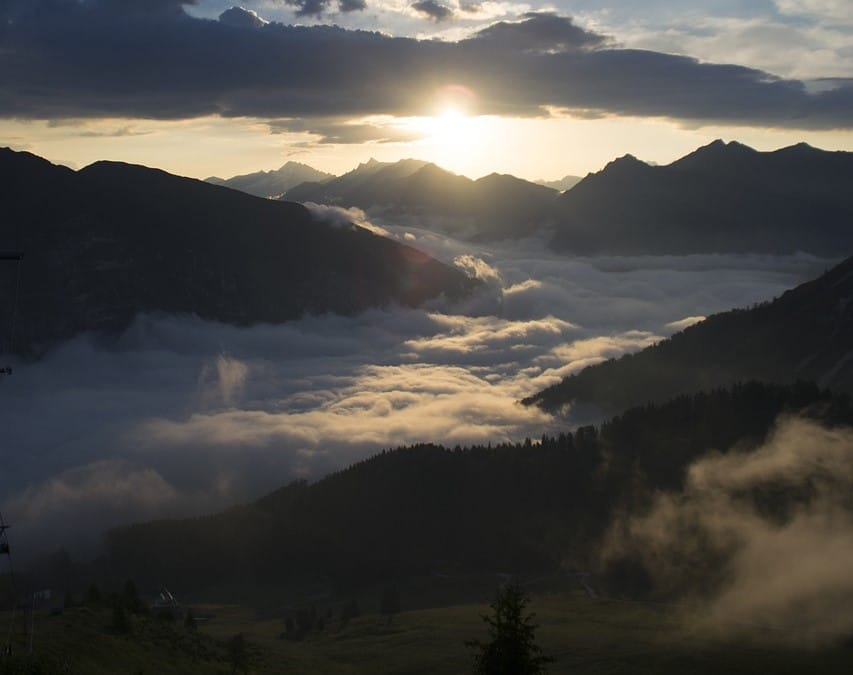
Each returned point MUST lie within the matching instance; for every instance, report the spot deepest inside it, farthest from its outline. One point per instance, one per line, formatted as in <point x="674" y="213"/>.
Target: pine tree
<point x="511" y="649"/>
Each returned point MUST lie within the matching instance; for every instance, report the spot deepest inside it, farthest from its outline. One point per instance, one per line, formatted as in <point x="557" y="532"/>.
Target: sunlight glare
<point x="449" y="137"/>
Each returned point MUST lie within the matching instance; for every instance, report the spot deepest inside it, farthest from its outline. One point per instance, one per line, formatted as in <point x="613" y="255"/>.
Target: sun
<point x="449" y="126"/>
<point x="452" y="131"/>
<point x="448" y="137"/>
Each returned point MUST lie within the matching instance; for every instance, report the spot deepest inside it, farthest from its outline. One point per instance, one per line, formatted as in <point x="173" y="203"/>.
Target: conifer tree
<point x="512" y="648"/>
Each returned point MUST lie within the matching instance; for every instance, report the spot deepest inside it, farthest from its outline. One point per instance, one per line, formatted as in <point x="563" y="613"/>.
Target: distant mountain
<point x="273" y="184"/>
<point x="561" y="185"/>
<point x="724" y="197"/>
<point x="411" y="191"/>
<point x="112" y="240"/>
<point x="807" y="333"/>
<point x="526" y="507"/>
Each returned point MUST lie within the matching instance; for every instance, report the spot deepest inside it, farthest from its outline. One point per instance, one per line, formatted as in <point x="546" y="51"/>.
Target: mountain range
<point x="413" y="192"/>
<point x="807" y="333"/>
<point x="273" y="184"/>
<point x="722" y="198"/>
<point x="112" y="240"/>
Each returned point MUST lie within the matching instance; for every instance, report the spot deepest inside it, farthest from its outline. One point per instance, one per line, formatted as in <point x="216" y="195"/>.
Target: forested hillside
<point x="807" y="333"/>
<point x="426" y="508"/>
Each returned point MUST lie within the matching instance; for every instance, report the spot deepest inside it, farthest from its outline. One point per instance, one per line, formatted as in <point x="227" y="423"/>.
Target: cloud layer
<point x="70" y="59"/>
<point x="180" y="416"/>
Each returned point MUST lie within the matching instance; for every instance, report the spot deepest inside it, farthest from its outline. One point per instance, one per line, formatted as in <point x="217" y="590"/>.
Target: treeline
<point x="804" y="334"/>
<point x="515" y="507"/>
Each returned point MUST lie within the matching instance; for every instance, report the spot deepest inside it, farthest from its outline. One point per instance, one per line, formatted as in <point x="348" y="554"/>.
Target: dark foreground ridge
<point x="113" y="240"/>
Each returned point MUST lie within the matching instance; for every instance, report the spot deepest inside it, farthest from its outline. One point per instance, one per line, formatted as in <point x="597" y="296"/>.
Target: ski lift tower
<point x="6" y="552"/>
<point x="4" y="541"/>
<point x="16" y="257"/>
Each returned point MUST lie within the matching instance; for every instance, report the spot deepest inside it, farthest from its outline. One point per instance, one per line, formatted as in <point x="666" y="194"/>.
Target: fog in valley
<point x="745" y="565"/>
<point x="179" y="416"/>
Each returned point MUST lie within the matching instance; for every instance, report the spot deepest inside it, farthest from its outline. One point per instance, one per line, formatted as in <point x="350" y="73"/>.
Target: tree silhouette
<point x="511" y="649"/>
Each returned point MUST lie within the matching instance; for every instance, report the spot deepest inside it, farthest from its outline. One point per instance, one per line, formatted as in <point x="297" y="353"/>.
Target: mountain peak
<point x="801" y="148"/>
<point x="625" y="162"/>
<point x="714" y="152"/>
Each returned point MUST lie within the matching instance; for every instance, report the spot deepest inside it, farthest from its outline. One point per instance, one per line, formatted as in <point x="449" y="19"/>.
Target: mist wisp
<point x="758" y="542"/>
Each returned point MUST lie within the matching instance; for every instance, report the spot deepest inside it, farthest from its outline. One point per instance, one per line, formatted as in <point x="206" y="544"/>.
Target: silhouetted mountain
<point x="423" y="509"/>
<point x="720" y="198"/>
<point x="356" y="185"/>
<point x="561" y="185"/>
<point x="273" y="184"/>
<point x="807" y="333"/>
<point x="113" y="240"/>
<point x="418" y="193"/>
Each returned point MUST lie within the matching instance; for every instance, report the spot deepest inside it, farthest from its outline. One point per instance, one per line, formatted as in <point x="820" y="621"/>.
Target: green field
<point x="582" y="635"/>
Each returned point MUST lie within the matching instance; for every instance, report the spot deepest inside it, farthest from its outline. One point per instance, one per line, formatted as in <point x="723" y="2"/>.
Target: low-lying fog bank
<point x="181" y="416"/>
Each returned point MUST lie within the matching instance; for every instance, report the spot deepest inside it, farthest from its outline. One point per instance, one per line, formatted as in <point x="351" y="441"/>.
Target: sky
<point x="539" y="90"/>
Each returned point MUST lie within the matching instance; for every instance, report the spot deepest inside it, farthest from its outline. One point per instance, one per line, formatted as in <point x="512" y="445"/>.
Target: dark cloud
<point x="64" y="59"/>
<point x="130" y="7"/>
<point x="352" y="5"/>
<point x="319" y="7"/>
<point x="241" y="18"/>
<point x="433" y="10"/>
<point x="309" y="7"/>
<point x="339" y="131"/>
<point x="540" y="32"/>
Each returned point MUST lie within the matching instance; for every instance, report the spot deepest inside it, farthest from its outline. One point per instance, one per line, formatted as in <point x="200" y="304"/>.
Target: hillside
<point x="426" y="509"/>
<point x="273" y="184"/>
<point x="112" y="240"/>
<point x="720" y="198"/>
<point x="496" y="206"/>
<point x="807" y="333"/>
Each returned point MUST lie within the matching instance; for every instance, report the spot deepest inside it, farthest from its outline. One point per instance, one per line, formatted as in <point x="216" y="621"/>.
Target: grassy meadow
<point x="583" y="635"/>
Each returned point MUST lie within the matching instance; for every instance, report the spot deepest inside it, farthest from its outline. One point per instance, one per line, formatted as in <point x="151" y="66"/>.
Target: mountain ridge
<point x="806" y="333"/>
<point x="117" y="239"/>
<point x="720" y="198"/>
<point x="274" y="183"/>
<point x="496" y="206"/>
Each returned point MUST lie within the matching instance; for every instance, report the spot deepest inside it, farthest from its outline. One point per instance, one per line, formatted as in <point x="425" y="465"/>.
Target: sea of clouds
<point x="180" y="416"/>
